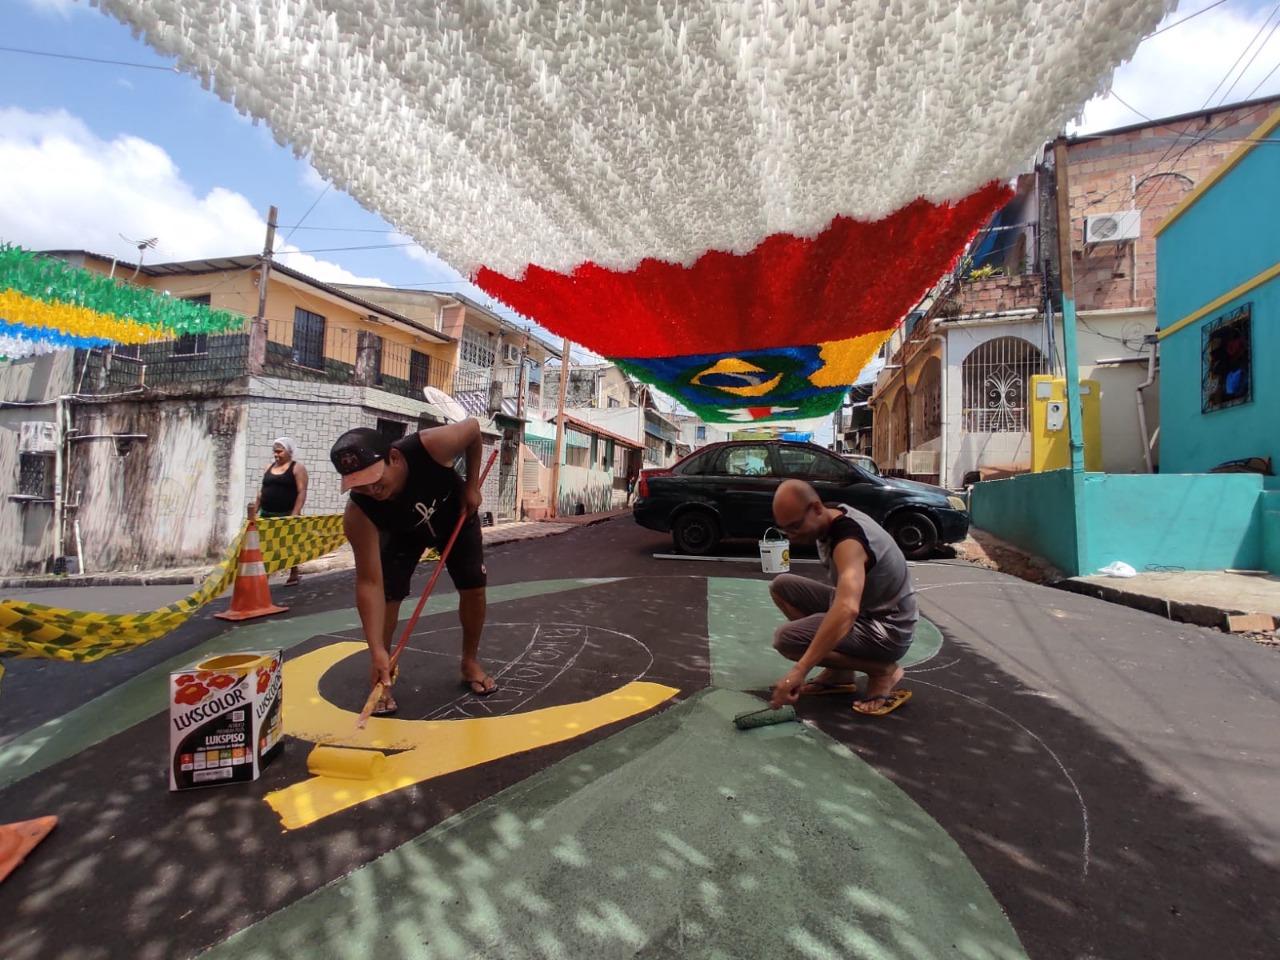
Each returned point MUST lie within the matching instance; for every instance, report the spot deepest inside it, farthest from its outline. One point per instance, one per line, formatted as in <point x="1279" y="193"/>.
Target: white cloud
<point x="63" y="187"/>
<point x="310" y="179"/>
<point x="1177" y="71"/>
<point x="59" y="8"/>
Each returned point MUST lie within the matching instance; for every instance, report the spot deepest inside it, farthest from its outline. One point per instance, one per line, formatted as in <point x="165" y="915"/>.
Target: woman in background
<point x="284" y="490"/>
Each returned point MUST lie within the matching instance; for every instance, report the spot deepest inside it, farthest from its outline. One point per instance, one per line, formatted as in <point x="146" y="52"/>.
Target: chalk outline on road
<point x="1084" y="809"/>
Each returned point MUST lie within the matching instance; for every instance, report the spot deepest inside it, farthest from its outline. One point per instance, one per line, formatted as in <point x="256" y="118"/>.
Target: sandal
<point x="889" y="702"/>
<point x="385" y="707"/>
<point x="483" y="691"/>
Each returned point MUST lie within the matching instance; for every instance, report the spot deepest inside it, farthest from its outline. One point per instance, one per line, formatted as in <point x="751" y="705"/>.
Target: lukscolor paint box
<point x="225" y="719"/>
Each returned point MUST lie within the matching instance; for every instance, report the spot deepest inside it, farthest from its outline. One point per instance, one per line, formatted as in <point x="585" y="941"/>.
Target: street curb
<point x="561" y="526"/>
<point x="1181" y="611"/>
<point x="99" y="580"/>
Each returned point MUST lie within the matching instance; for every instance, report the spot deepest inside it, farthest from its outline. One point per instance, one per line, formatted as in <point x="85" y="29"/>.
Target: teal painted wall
<point x="1269" y="522"/>
<point x="1033" y="511"/>
<point x="1194" y="521"/>
<point x="1231" y="234"/>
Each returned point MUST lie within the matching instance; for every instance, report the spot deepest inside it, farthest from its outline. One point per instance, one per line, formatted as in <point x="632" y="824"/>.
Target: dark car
<point x="725" y="491"/>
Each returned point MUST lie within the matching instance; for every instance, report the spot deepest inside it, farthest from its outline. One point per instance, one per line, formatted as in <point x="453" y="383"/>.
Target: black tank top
<point x="279" y="491"/>
<point x="427" y="508"/>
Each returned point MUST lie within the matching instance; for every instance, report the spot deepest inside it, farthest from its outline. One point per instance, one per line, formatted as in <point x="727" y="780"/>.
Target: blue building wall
<point x="1230" y="235"/>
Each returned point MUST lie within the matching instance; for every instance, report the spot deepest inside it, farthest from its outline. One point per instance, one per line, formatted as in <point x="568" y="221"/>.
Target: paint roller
<point x="353" y="763"/>
<point x="764" y="717"/>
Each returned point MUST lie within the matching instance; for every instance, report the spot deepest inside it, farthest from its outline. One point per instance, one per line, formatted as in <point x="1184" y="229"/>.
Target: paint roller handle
<point x="367" y="710"/>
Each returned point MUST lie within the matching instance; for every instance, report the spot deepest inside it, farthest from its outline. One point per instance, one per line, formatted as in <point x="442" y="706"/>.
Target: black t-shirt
<point x="846" y="528"/>
<point x="426" y="510"/>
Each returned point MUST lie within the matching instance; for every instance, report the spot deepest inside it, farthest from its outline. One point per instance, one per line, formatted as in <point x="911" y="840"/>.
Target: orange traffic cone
<point x="251" y="597"/>
<point x="19" y="839"/>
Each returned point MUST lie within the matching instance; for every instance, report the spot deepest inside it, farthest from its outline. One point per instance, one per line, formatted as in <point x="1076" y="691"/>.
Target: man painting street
<point x="405" y="497"/>
<point x="862" y="623"/>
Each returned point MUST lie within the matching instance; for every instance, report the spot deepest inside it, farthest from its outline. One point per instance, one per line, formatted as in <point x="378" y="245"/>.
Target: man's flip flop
<point x="820" y="689"/>
<point x="385" y="707"/>
<point x="889" y="702"/>
<point x="470" y="687"/>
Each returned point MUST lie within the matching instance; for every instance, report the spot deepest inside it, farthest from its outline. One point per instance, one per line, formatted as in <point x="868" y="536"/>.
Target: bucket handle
<point x="781" y="537"/>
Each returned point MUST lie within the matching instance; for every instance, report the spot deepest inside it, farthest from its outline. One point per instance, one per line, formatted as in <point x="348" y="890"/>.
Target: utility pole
<point x="555" y="466"/>
<point x="1065" y="269"/>
<point x="258" y="327"/>
<point x="520" y="416"/>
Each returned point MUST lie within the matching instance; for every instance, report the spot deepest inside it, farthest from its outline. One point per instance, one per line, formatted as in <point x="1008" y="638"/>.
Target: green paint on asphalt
<point x="679" y="836"/>
<point x="146" y="694"/>
<point x="740" y="622"/>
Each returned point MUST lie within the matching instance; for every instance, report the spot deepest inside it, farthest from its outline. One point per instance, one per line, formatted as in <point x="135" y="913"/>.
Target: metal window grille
<point x="127" y="351"/>
<point x="543" y="448"/>
<point x="419" y="370"/>
<point x="308" y="339"/>
<point x="476" y="350"/>
<point x="191" y="344"/>
<point x="997" y="379"/>
<point x="375" y="357"/>
<point x="35" y="475"/>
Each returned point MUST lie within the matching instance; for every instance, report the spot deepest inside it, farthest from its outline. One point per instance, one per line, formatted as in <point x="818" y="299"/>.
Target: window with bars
<point x="476" y="349"/>
<point x="375" y="357"/>
<point x="35" y="475"/>
<point x="308" y="339"/>
<point x="127" y="351"/>
<point x="996" y="384"/>
<point x="419" y="370"/>
<point x="191" y="344"/>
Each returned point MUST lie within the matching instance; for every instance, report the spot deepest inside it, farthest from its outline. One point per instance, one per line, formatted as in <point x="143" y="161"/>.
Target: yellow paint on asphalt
<point x="430" y="748"/>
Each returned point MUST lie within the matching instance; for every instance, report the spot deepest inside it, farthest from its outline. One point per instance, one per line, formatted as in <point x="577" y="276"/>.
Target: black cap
<point x="360" y="455"/>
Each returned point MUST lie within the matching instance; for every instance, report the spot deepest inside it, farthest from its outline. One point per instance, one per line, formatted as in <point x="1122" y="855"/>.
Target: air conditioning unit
<point x="1113" y="227"/>
<point x="918" y="462"/>
<point x="510" y="353"/>
<point x="37" y="436"/>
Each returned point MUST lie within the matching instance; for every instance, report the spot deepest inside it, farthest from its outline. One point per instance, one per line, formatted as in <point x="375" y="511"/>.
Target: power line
<point x="314" y="203"/>
<point x="371" y="246"/>
<point x="1131" y="106"/>
<point x="1190" y="16"/>
<point x="72" y="56"/>
<point x="1253" y="58"/>
<point x="1209" y="99"/>
<point x="299" y="226"/>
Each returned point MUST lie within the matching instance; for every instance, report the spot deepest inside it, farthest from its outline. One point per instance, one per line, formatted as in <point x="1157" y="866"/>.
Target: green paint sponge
<point x="764" y="717"/>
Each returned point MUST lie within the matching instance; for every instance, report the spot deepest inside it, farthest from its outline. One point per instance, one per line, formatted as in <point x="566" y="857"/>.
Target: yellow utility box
<point x="1050" y="439"/>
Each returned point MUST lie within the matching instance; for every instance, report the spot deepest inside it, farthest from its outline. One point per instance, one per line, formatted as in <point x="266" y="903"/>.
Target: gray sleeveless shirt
<point x="888" y="597"/>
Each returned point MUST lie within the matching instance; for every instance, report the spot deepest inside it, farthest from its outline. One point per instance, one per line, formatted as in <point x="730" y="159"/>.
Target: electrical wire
<point x="1178" y="23"/>
<point x="1186" y="131"/>
<point x="72" y="56"/>
<point x="314" y="204"/>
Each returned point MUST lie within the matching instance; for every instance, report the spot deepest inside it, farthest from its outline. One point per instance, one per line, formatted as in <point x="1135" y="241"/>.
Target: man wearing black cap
<point x="406" y="497"/>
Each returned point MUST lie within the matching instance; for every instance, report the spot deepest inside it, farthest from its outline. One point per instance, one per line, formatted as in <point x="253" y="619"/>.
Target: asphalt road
<point x="1106" y="780"/>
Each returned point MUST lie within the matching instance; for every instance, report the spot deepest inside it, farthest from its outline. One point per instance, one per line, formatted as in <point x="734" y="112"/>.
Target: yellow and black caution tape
<point x="31" y="630"/>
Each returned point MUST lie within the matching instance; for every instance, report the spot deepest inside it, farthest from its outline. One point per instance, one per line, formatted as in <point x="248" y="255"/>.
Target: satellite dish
<point x="452" y="410"/>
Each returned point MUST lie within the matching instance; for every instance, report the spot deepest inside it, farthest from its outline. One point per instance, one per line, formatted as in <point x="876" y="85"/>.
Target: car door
<point x="830" y="475"/>
<point x="747" y="479"/>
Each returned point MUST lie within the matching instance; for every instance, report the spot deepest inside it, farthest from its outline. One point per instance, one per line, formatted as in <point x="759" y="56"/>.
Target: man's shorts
<point x="465" y="562"/>
<point x="868" y="640"/>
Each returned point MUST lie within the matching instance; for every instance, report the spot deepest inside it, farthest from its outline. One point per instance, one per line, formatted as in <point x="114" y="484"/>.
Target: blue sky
<point x="89" y="151"/>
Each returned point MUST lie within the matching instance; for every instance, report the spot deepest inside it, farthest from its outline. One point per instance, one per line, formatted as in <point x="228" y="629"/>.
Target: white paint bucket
<point x="775" y="554"/>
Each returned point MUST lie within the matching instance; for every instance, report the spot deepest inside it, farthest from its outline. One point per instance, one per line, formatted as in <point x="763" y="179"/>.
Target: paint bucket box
<point x="225" y="722"/>
<point x="775" y="553"/>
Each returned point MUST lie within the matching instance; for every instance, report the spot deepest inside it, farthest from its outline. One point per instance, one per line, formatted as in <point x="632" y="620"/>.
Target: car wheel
<point x="695" y="532"/>
<point x="915" y="534"/>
